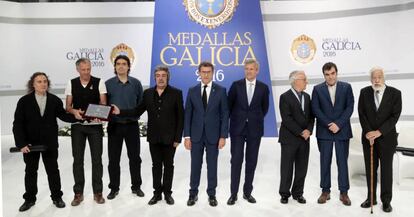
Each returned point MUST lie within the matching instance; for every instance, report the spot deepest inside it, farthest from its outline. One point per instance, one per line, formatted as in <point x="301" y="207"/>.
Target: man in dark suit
<point x="294" y="134"/>
<point x="379" y="108"/>
<point x="164" y="105"/>
<point x="205" y="127"/>
<point x="248" y="104"/>
<point x="35" y="124"/>
<point x="332" y="105"/>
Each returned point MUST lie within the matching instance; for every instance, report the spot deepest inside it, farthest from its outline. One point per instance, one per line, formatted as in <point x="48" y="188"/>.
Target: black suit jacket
<point x="294" y="119"/>
<point x="29" y="127"/>
<point x="384" y="119"/>
<point x="165" y="123"/>
<point x="241" y="111"/>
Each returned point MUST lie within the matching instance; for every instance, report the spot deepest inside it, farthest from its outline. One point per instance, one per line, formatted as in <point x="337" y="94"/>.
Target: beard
<point x="378" y="87"/>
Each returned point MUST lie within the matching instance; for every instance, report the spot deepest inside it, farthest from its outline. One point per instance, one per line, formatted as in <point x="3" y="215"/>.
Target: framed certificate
<point x="101" y="112"/>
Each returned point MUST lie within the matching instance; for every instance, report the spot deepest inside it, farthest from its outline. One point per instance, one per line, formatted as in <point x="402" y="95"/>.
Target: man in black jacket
<point x="295" y="131"/>
<point x="379" y="108"/>
<point x="35" y="124"/>
<point x="164" y="105"/>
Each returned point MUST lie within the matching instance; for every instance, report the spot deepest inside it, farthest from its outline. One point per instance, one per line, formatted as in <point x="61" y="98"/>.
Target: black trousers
<point x="237" y="155"/>
<point x="117" y="133"/>
<point x="49" y="158"/>
<point x="293" y="157"/>
<point x="383" y="153"/>
<point x="94" y="134"/>
<point x="162" y="167"/>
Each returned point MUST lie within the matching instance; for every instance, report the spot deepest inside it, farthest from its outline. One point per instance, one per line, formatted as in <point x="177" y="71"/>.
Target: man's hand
<point x="78" y="113"/>
<point x="372" y="135"/>
<point x="333" y="127"/>
<point x="96" y="120"/>
<point x="176" y="144"/>
<point x="221" y="143"/>
<point x="115" y="110"/>
<point x="25" y="149"/>
<point x="187" y="143"/>
<point x="306" y="134"/>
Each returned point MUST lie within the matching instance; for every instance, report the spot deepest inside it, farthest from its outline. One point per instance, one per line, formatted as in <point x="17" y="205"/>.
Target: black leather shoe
<point x="249" y="198"/>
<point x="26" y="205"/>
<point x="367" y="203"/>
<point x="232" y="200"/>
<point x="192" y="200"/>
<point x="112" y="195"/>
<point x="138" y="192"/>
<point x="169" y="199"/>
<point x="284" y="200"/>
<point x="386" y="207"/>
<point x="300" y="199"/>
<point x="212" y="200"/>
<point x="154" y="199"/>
<point x="59" y="203"/>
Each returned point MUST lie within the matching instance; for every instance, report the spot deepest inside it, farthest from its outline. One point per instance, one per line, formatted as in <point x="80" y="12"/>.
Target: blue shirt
<point x="126" y="95"/>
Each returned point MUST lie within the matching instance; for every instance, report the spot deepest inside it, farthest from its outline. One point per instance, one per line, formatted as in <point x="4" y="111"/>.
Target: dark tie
<point x="300" y="97"/>
<point x="204" y="97"/>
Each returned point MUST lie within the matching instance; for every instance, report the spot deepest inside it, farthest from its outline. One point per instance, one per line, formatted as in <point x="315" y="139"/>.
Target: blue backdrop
<point x="181" y="43"/>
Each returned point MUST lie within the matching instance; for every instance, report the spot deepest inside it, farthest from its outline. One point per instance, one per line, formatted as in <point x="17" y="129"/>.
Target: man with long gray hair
<point x="379" y="108"/>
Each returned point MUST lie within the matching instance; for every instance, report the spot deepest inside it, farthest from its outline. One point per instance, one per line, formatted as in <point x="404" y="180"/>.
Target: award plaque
<point x="101" y="112"/>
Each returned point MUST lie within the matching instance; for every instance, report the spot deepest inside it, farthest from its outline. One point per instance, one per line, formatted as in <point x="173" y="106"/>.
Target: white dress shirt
<point x="332" y="92"/>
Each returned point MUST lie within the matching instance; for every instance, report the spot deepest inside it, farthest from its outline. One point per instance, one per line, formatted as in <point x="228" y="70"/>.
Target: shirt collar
<point x="208" y="85"/>
<point x="248" y="82"/>
<point x="119" y="81"/>
<point x="333" y="86"/>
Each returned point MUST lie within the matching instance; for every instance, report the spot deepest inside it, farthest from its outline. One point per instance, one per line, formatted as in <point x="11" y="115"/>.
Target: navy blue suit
<point x="340" y="114"/>
<point x="246" y="126"/>
<point x="205" y="127"/>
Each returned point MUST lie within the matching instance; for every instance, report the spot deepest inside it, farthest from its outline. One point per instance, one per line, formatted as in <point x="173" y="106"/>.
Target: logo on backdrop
<point x="95" y="55"/>
<point x="333" y="46"/>
<point x="303" y="49"/>
<point x="123" y="49"/>
<point x="210" y="30"/>
<point x="210" y="13"/>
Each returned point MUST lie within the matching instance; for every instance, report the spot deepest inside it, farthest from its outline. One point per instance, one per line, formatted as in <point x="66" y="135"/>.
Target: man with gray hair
<point x="80" y="92"/>
<point x="248" y="104"/>
<point x="379" y="108"/>
<point x="294" y="134"/>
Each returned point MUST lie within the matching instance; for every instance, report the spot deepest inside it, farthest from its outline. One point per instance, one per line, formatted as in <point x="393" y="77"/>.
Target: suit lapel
<point x="36" y="106"/>
<point x="370" y="99"/>
<point x="385" y="98"/>
<point x="199" y="96"/>
<point x="326" y="92"/>
<point x="297" y="103"/>
<point x="244" y="90"/>
<point x="47" y="105"/>
<point x="212" y="95"/>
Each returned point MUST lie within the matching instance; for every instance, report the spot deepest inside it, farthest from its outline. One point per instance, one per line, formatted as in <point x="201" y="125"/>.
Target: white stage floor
<point x="126" y="204"/>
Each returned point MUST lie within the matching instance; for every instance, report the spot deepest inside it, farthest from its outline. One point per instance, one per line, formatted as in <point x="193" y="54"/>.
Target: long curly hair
<point x="29" y="85"/>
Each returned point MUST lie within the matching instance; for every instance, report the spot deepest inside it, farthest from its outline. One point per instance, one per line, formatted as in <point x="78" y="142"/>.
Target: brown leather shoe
<point x="324" y="197"/>
<point x="345" y="199"/>
<point x="98" y="198"/>
<point x="77" y="199"/>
